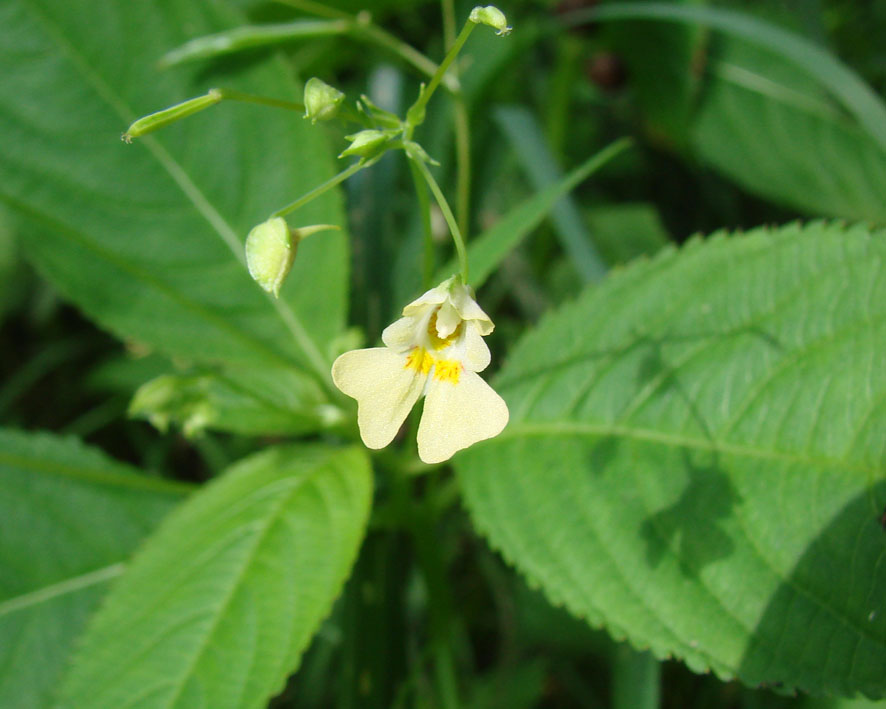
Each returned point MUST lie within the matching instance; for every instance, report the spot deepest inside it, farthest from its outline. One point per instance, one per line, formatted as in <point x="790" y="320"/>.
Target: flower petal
<point x="428" y="299"/>
<point x="403" y="334"/>
<point x="448" y="320"/>
<point x="384" y="388"/>
<point x="475" y="352"/>
<point x="463" y="301"/>
<point x="457" y="416"/>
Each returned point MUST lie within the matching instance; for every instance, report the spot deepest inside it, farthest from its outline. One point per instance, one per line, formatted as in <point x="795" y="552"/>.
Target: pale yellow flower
<point x="435" y="350"/>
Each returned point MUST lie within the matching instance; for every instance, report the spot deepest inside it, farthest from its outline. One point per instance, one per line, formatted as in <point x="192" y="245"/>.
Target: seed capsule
<point x="270" y="251"/>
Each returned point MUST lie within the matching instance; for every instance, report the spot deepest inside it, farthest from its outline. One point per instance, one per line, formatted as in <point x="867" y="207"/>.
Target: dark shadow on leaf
<point x="655" y="371"/>
<point x="824" y="629"/>
<point x="690" y="528"/>
<point x="602" y="453"/>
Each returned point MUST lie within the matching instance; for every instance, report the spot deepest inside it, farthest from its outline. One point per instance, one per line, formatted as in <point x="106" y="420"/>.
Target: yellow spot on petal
<point x="437" y="342"/>
<point x="419" y="360"/>
<point x="447" y="370"/>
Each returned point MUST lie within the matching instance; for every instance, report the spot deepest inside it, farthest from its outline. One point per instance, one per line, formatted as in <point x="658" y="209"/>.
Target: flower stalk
<point x="167" y="116"/>
<point x="320" y="189"/>
<point x="457" y="238"/>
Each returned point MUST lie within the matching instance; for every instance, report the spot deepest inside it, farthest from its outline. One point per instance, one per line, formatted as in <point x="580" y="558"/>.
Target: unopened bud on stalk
<point x="271" y="248"/>
<point x="154" y="121"/>
<point x="365" y="143"/>
<point x="322" y="101"/>
<point x="491" y="16"/>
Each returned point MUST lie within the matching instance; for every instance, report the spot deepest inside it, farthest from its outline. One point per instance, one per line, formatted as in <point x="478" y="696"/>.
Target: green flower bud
<point x="322" y="101"/>
<point x="160" y="119"/>
<point x="491" y="16"/>
<point x="365" y="143"/>
<point x="175" y="399"/>
<point x="270" y="251"/>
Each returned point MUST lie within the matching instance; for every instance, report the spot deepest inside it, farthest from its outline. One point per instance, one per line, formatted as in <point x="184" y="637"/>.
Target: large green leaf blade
<point x="775" y="112"/>
<point x="71" y="518"/>
<point x="219" y="605"/>
<point x="695" y="457"/>
<point x="850" y="90"/>
<point x="761" y="123"/>
<point x="147" y="238"/>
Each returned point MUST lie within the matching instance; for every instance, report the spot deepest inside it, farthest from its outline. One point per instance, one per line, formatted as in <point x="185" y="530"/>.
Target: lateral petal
<point x="458" y="415"/>
<point x="475" y="353"/>
<point x="463" y="301"/>
<point x="385" y="390"/>
<point x="403" y="334"/>
<point x="448" y="320"/>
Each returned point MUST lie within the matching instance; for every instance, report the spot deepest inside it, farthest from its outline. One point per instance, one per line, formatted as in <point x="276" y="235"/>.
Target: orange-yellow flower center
<point x="447" y="370"/>
<point x="437" y="342"/>
<point x="419" y="360"/>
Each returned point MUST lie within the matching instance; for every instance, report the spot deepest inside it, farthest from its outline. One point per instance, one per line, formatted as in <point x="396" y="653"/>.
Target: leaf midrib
<point x="188" y="187"/>
<point x="566" y="428"/>
<point x="94" y="475"/>
<point x="69" y="585"/>
<point x="237" y="581"/>
<point x="319" y="465"/>
<point x="527" y="429"/>
<point x="260" y="347"/>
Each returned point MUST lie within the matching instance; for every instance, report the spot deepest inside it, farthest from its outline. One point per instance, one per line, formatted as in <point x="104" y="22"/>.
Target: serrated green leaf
<point x="249" y="402"/>
<point x="219" y="605"/>
<point x="70" y="518"/>
<point x="695" y="457"/>
<point x="147" y="238"/>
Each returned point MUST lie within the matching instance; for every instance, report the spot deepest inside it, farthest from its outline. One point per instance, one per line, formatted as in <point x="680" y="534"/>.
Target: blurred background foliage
<point x="728" y="134"/>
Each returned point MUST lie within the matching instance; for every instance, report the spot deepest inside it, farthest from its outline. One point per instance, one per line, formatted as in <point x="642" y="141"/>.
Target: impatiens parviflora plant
<point x="436" y="349"/>
<point x="694" y="457"/>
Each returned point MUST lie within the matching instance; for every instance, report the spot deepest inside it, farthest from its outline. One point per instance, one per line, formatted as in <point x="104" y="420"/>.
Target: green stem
<point x="316" y="8"/>
<point x="415" y="115"/>
<point x="161" y="119"/>
<point x="561" y="84"/>
<point x="361" y="27"/>
<point x="457" y="238"/>
<point x="320" y="189"/>
<point x="448" y="22"/>
<point x="251" y="37"/>
<point x="424" y="206"/>
<point x="462" y="130"/>
<point x="433" y="569"/>
<point x="233" y="95"/>
<point x="462" y="162"/>
<point x="406" y="52"/>
<point x="636" y="680"/>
